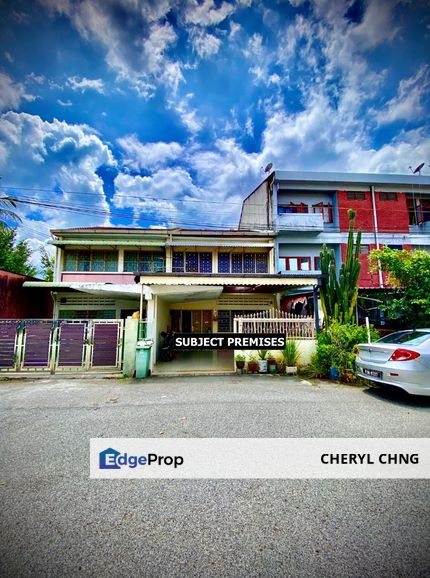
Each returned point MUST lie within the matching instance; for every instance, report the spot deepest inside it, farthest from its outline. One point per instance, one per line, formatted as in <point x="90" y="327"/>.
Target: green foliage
<point x="336" y="347"/>
<point x="6" y="212"/>
<point x="291" y="353"/>
<point x="262" y="354"/>
<point x="240" y="357"/>
<point x="47" y="263"/>
<point x="14" y="256"/>
<point x="339" y="295"/>
<point x="409" y="277"/>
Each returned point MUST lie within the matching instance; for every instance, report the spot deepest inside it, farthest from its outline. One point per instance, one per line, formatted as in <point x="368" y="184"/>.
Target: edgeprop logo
<point x="111" y="459"/>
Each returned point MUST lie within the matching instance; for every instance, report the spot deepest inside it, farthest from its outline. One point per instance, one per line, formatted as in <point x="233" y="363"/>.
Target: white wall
<point x="255" y="210"/>
<point x="306" y="347"/>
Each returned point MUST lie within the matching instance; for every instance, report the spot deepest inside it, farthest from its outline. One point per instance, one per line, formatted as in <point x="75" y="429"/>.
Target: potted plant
<point x="240" y="361"/>
<point x="252" y="364"/>
<point x="271" y="363"/>
<point x="291" y="356"/>
<point x="262" y="363"/>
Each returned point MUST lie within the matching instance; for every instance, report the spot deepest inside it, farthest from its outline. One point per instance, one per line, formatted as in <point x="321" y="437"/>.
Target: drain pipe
<point x="375" y="223"/>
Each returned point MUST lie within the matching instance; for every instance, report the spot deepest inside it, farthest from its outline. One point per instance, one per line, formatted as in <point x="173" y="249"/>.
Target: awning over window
<point x="197" y="243"/>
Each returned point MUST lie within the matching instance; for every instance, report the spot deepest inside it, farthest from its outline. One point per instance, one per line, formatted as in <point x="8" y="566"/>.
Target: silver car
<point x="401" y="359"/>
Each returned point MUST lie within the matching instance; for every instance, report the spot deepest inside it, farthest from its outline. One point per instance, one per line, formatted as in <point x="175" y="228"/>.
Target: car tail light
<point x="404" y="355"/>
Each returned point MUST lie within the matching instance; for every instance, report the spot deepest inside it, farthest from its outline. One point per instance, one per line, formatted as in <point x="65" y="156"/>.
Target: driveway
<point x="55" y="521"/>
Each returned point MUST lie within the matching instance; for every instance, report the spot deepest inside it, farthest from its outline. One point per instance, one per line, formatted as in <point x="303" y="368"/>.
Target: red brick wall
<point x="366" y="278"/>
<point x="17" y="302"/>
<point x="392" y="215"/>
<point x="363" y="210"/>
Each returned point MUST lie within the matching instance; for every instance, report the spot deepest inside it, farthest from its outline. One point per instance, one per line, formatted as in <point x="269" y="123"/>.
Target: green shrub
<point x="337" y="347"/>
<point x="291" y="353"/>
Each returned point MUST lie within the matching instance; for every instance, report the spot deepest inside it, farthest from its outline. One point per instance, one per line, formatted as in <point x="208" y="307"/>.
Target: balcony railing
<point x="300" y="222"/>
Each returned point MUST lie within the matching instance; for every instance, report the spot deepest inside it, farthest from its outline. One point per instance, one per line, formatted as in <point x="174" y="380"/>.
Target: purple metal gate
<point x="105" y="344"/>
<point x="71" y="346"/>
<point x="37" y="345"/>
<point x="8" y="331"/>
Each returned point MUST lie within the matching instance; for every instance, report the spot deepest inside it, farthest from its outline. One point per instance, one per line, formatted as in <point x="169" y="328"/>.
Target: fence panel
<point x="274" y="321"/>
<point x="71" y="344"/>
<point x="8" y="344"/>
<point x="37" y="345"/>
<point x="106" y="343"/>
<point x="46" y="344"/>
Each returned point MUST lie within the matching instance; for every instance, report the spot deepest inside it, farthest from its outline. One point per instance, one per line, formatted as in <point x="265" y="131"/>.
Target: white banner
<point x="260" y="458"/>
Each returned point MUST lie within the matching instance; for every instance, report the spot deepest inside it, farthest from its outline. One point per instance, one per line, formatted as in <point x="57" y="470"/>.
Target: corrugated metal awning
<point x="104" y="243"/>
<point x="231" y="281"/>
<point x="196" y="243"/>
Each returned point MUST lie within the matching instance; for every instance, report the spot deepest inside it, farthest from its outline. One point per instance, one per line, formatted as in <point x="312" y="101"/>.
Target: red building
<point x="17" y="302"/>
<point x="309" y="209"/>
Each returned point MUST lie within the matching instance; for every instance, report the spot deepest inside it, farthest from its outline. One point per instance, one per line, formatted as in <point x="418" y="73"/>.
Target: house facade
<point x="308" y="209"/>
<point x="180" y="280"/>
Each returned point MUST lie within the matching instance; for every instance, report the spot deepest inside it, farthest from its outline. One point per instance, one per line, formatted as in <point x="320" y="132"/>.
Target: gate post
<point x="89" y="345"/>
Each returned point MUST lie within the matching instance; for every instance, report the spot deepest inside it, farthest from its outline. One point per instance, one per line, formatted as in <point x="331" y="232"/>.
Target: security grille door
<point x="37" y="345"/>
<point x="105" y="344"/>
<point x="71" y="344"/>
<point x="7" y="344"/>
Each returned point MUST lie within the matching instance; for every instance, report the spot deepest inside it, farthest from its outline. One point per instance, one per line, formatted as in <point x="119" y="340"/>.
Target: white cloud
<point x="204" y="44"/>
<point x="408" y="104"/>
<point x="11" y="93"/>
<point x="189" y="116"/>
<point x="136" y="38"/>
<point x="234" y="29"/>
<point x="85" y="84"/>
<point x="159" y="193"/>
<point x="206" y="13"/>
<point x="65" y="102"/>
<point x="59" y="157"/>
<point x="138" y="155"/>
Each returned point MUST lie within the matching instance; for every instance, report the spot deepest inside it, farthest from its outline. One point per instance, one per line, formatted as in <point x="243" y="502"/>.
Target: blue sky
<point x="163" y="112"/>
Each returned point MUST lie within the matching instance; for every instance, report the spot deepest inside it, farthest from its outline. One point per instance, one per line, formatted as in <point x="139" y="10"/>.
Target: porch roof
<point x="197" y="243"/>
<point x="139" y="242"/>
<point x="190" y="279"/>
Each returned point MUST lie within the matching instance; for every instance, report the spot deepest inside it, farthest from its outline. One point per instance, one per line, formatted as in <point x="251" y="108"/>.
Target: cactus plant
<point x="339" y="294"/>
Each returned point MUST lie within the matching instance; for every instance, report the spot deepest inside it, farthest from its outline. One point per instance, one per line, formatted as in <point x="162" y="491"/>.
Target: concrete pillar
<point x="130" y="340"/>
<point x="151" y="328"/>
<point x="120" y="260"/>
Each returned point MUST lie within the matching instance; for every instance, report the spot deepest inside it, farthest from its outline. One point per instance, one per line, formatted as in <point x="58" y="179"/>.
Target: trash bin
<point x="143" y="356"/>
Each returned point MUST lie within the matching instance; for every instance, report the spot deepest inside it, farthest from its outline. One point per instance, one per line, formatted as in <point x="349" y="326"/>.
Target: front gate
<point x="60" y="345"/>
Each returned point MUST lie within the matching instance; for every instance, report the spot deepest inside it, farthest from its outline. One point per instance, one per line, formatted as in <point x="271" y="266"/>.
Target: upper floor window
<point x="298" y="263"/>
<point x="388" y="196"/>
<point x="293" y="208"/>
<point x="96" y="261"/>
<point x="326" y="209"/>
<point x="191" y="262"/>
<point x="356" y="195"/>
<point x="242" y="263"/>
<point x="143" y="262"/>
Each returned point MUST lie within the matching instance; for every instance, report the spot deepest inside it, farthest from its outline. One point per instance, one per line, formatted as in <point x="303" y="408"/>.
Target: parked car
<point x="401" y="359"/>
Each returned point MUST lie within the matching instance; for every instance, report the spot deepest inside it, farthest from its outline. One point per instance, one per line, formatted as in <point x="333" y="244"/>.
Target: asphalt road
<point x="55" y="521"/>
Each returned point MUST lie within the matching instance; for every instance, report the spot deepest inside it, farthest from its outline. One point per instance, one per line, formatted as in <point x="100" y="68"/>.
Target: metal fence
<point x="60" y="345"/>
<point x="276" y="321"/>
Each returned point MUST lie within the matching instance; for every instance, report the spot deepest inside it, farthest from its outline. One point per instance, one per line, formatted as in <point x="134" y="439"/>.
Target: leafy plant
<point x="14" y="257"/>
<point x="6" y="214"/>
<point x="339" y="295"/>
<point x="337" y="347"/>
<point x="262" y="354"/>
<point x="291" y="353"/>
<point x="240" y="357"/>
<point x="409" y="276"/>
<point x="253" y="358"/>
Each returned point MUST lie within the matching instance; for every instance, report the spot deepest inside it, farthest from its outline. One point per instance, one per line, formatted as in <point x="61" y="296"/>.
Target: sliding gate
<point x="60" y="345"/>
